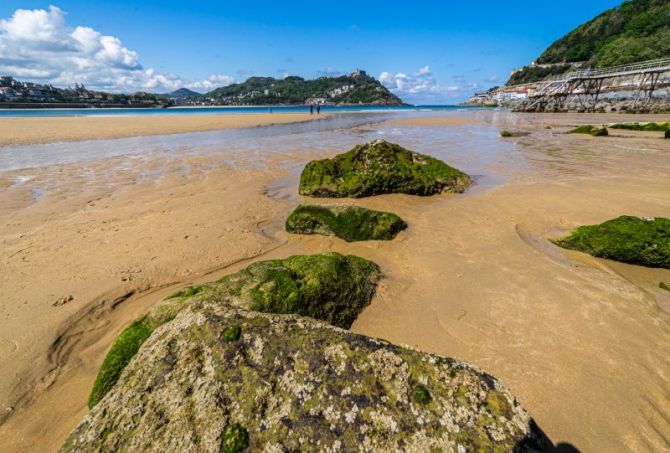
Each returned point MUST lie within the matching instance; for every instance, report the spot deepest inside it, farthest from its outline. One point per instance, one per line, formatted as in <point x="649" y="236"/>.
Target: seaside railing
<point x="659" y="65"/>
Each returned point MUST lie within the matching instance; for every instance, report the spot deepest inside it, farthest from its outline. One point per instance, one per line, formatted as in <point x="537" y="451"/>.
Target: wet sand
<point x="21" y="131"/>
<point x="582" y="342"/>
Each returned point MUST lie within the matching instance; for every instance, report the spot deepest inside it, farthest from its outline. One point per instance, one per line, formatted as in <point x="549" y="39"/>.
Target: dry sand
<point x="582" y="342"/>
<point x="20" y="131"/>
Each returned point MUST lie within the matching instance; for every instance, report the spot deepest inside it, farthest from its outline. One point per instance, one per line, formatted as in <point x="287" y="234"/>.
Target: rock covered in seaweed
<point x="380" y="167"/>
<point x="289" y="383"/>
<point x="590" y="130"/>
<point x="351" y="223"/>
<point x="627" y="239"/>
<point x="331" y="287"/>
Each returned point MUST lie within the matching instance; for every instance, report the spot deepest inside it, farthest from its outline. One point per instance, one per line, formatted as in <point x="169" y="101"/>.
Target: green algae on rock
<point x="627" y="239"/>
<point x="331" y="287"/>
<point x="350" y="223"/>
<point x="292" y="383"/>
<point x="646" y="127"/>
<point x="124" y="348"/>
<point x="590" y="130"/>
<point x="235" y="439"/>
<point x="187" y="292"/>
<point x="513" y="134"/>
<point x="380" y="167"/>
<point x="664" y="285"/>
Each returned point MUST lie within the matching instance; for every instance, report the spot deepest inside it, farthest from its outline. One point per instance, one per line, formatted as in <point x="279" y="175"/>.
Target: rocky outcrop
<point x="590" y="130"/>
<point x="513" y="134"/>
<point x="350" y="223"/>
<point x="659" y="104"/>
<point x="330" y="287"/>
<point x="644" y="127"/>
<point x="627" y="239"/>
<point x="377" y="168"/>
<point x="288" y="383"/>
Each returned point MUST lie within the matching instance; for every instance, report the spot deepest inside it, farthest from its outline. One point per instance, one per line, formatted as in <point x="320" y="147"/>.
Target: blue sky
<point x="426" y="51"/>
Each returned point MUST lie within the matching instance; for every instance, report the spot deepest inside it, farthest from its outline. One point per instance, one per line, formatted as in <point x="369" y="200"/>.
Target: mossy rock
<point x="667" y="134"/>
<point x="292" y="383"/>
<point x="664" y="285"/>
<point x="512" y="134"/>
<point x="380" y="167"/>
<point x="331" y="287"/>
<point x="627" y="239"/>
<point x="590" y="130"/>
<point x="124" y="348"/>
<point x="350" y="223"/>
<point x="646" y="127"/>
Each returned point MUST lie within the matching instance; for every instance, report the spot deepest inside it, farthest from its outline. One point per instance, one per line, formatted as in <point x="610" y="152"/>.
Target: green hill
<point x="355" y="88"/>
<point x="637" y="30"/>
<point x="183" y="93"/>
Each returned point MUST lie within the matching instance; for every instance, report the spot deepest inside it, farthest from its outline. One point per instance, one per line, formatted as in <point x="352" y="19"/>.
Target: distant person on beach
<point x="311" y="110"/>
<point x="318" y="110"/>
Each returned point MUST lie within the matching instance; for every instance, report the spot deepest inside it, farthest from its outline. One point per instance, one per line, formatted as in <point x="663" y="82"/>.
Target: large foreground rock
<point x="222" y="378"/>
<point x="377" y="168"/>
<point x="329" y="286"/>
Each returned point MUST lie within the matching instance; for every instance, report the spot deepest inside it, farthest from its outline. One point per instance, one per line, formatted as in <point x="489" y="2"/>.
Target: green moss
<point x="122" y="351"/>
<point x="590" y="130"/>
<point x="232" y="333"/>
<point x="664" y="285"/>
<point x="627" y="239"/>
<point x="330" y="287"/>
<point x="647" y="127"/>
<point x="187" y="292"/>
<point x="380" y="167"/>
<point x="508" y="134"/>
<point x="350" y="223"/>
<point x="498" y="405"/>
<point x="234" y="439"/>
<point x="421" y="395"/>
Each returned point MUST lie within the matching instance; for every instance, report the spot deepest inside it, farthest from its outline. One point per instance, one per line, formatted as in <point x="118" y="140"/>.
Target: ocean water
<point x="211" y="110"/>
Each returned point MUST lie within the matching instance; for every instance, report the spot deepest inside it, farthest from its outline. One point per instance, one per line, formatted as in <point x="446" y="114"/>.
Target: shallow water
<point x="475" y="149"/>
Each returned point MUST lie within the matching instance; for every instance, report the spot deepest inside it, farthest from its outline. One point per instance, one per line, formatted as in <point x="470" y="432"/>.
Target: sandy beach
<point x="582" y="342"/>
<point x="21" y="131"/>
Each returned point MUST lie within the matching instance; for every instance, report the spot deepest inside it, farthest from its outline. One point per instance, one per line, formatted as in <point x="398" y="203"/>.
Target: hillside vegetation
<point x="355" y="88"/>
<point x="635" y="31"/>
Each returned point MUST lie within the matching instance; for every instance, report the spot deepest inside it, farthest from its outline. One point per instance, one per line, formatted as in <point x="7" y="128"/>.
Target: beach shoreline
<point x="473" y="277"/>
<point x="41" y="130"/>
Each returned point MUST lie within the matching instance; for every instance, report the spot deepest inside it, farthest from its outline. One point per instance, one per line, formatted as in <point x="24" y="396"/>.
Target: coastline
<point x="39" y="130"/>
<point x="474" y="277"/>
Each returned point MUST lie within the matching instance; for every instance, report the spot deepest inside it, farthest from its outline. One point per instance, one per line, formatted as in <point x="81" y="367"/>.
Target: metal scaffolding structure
<point x="586" y="86"/>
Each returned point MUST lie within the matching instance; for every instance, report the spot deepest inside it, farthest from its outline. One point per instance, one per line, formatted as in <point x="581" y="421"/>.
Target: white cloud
<point x="421" y="87"/>
<point x="38" y="45"/>
<point x="212" y="82"/>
